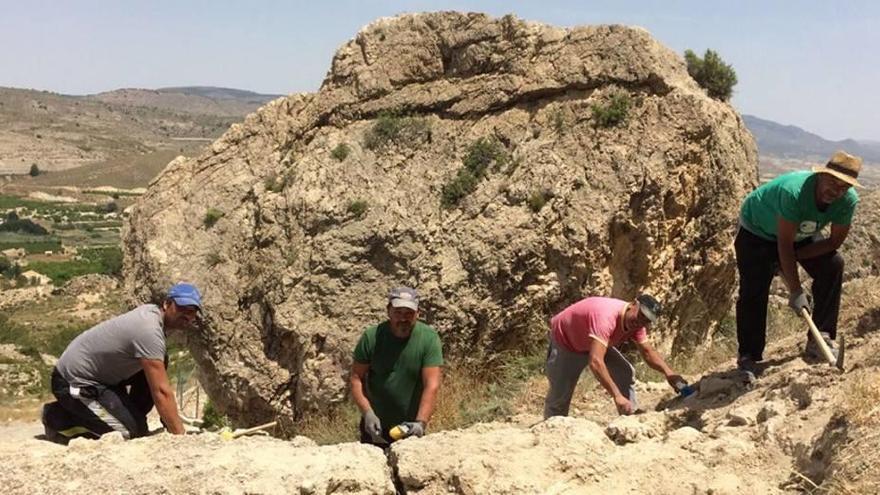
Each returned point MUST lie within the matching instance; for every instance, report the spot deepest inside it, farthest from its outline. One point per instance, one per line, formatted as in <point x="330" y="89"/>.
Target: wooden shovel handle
<point x="255" y="429"/>
<point x="823" y="347"/>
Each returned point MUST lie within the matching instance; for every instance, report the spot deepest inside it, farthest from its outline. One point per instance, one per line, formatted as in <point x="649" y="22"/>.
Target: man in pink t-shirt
<point x="587" y="332"/>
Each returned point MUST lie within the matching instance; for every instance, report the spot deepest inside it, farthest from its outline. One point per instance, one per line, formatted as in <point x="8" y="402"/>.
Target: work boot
<point x="748" y="368"/>
<point x="60" y="427"/>
<point x="49" y="431"/>
<point x="812" y="351"/>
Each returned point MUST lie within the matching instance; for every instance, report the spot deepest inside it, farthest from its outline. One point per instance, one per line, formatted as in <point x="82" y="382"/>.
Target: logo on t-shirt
<point x="807" y="227"/>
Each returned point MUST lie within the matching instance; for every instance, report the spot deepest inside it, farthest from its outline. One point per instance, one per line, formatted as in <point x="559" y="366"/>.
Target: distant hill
<point x="201" y="100"/>
<point x="221" y="93"/>
<point x="792" y="142"/>
<point x="783" y="148"/>
<point x="141" y="128"/>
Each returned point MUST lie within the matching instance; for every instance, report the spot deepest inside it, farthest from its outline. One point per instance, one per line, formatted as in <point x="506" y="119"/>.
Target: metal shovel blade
<point x="841" y="349"/>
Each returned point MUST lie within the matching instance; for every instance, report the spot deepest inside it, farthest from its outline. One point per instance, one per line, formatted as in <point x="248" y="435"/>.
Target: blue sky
<point x="813" y="64"/>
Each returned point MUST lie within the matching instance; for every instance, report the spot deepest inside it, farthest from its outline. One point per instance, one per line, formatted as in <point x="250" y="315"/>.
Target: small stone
<point x="112" y="437"/>
<point x="81" y="444"/>
<point x="770" y="410"/>
<point x="714" y="385"/>
<point x="628" y="429"/>
<point x="800" y="393"/>
<point x="741" y="416"/>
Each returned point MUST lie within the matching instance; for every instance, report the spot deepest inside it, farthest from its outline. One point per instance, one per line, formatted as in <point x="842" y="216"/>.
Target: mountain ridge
<point x="792" y="142"/>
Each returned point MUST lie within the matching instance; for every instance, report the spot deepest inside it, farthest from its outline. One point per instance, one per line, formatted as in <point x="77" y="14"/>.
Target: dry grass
<point x="856" y="466"/>
<point x="21" y="410"/>
<point x="781" y="323"/>
<point x="337" y="425"/>
<point x="469" y="394"/>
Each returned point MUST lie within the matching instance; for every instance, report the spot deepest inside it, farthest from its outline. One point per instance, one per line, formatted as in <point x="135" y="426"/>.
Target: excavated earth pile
<point x="504" y="168"/>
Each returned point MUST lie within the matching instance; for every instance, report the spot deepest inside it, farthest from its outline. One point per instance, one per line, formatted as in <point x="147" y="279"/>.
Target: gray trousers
<point x="564" y="368"/>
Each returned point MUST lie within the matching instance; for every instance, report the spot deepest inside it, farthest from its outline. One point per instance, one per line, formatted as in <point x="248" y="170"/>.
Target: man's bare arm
<point x="431" y="378"/>
<point x="600" y="371"/>
<point x="163" y="395"/>
<point x="785" y="235"/>
<point x="356" y="380"/>
<point x="838" y="235"/>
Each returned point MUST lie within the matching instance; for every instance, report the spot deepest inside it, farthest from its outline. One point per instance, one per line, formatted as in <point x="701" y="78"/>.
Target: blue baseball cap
<point x="184" y="294"/>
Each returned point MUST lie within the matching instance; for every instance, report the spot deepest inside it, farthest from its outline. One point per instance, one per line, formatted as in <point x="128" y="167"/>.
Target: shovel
<point x="227" y="434"/>
<point x="823" y="347"/>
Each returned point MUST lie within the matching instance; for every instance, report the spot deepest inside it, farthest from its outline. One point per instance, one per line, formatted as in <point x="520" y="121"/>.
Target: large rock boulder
<point x="573" y="456"/>
<point x="193" y="464"/>
<point x="861" y="250"/>
<point x="296" y="222"/>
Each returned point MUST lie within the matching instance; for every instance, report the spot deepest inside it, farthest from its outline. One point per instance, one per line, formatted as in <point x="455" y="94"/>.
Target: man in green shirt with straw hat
<point x="781" y="225"/>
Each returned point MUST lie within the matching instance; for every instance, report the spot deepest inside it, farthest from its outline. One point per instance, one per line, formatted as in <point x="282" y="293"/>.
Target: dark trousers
<point x="122" y="407"/>
<point x="757" y="261"/>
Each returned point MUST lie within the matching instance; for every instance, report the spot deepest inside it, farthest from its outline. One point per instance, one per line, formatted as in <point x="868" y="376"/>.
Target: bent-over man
<point x="780" y="227"/>
<point x="588" y="333"/>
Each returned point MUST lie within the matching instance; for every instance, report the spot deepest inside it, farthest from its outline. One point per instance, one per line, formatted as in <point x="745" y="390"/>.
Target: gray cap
<point x="649" y="307"/>
<point x="404" y="297"/>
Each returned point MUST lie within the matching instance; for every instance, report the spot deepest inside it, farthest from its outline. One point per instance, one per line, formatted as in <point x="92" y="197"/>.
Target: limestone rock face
<point x="193" y="464"/>
<point x="296" y="222"/>
<point x="861" y="250"/>
<point x="573" y="455"/>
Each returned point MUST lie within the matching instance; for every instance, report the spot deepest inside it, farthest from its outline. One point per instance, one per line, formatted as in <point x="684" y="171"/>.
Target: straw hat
<point x="844" y="166"/>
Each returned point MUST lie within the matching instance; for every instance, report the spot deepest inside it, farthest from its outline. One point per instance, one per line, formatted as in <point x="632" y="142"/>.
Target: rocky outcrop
<point x="568" y="455"/>
<point x="597" y="166"/>
<point x="861" y="250"/>
<point x="193" y="464"/>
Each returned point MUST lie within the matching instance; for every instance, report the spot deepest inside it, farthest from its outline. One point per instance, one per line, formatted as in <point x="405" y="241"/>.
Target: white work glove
<point x="798" y="300"/>
<point x="373" y="426"/>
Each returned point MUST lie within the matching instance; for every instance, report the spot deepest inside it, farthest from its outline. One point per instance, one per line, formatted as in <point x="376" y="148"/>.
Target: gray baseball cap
<point x="649" y="307"/>
<point x="404" y="297"/>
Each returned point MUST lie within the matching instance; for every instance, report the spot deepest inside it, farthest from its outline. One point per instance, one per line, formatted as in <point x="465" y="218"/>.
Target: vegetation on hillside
<point x="12" y="223"/>
<point x="395" y="128"/>
<point x="212" y="216"/>
<point x="358" y="207"/>
<point x="107" y="261"/>
<point x="711" y="73"/>
<point x="483" y="154"/>
<point x="340" y="152"/>
<point x="613" y="112"/>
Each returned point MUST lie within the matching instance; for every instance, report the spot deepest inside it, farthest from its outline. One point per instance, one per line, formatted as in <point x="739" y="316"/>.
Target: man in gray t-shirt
<point x="111" y="375"/>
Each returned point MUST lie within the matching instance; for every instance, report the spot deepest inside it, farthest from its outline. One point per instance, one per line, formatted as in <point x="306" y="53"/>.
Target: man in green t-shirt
<point x="780" y="226"/>
<point x="396" y="371"/>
